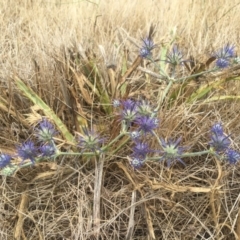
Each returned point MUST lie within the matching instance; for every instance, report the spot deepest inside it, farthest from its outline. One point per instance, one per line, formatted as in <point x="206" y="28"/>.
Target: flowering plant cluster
<point x="45" y="148"/>
<point x="139" y="123"/>
<point x="220" y="142"/>
<point x="224" y="56"/>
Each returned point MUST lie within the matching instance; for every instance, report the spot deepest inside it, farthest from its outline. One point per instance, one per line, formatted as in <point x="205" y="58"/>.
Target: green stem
<point x="165" y="92"/>
<point x="194" y="154"/>
<point x="113" y="141"/>
<point x="196" y="75"/>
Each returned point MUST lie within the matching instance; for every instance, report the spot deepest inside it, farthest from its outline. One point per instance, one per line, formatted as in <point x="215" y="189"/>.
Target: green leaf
<point x="228" y="97"/>
<point x="31" y="95"/>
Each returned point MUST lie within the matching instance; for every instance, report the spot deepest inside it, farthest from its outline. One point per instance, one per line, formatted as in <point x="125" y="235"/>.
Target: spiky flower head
<point x="144" y="108"/>
<point x="223" y="56"/>
<point x="129" y="111"/>
<point x="217" y="129"/>
<point x="45" y="131"/>
<point x="146" y="124"/>
<point x="147" y="47"/>
<point x="90" y="141"/>
<point x="5" y="160"/>
<point x="175" y="57"/>
<point x="47" y="150"/>
<point x="27" y="151"/>
<point x="141" y="150"/>
<point x="226" y="52"/>
<point x="171" y="151"/>
<point x="136" y="162"/>
<point x="232" y="156"/>
<point x="219" y="140"/>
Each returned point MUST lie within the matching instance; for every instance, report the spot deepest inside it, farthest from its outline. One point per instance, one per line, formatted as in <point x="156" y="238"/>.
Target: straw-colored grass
<point x="40" y="44"/>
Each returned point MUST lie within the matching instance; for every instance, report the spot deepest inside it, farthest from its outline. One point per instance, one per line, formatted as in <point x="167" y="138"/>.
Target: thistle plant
<point x="139" y="121"/>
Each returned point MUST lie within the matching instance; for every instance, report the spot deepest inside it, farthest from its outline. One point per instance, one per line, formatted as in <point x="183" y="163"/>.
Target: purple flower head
<point x="223" y="56"/>
<point x="27" y="151"/>
<point x="232" y="156"/>
<point x="217" y="129"/>
<point x="147" y="47"/>
<point x="129" y="111"/>
<point x="140" y="150"/>
<point x="174" y="57"/>
<point x="128" y="104"/>
<point x="47" y="150"/>
<point x="45" y="131"/>
<point x="90" y="141"/>
<point x="222" y="63"/>
<point x="4" y="160"/>
<point x="137" y="162"/>
<point x="171" y="151"/>
<point x="225" y="52"/>
<point x="144" y="108"/>
<point x="219" y="141"/>
<point x="146" y="123"/>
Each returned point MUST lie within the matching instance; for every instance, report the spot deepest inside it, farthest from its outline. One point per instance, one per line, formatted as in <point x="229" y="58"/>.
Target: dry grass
<point x="40" y="42"/>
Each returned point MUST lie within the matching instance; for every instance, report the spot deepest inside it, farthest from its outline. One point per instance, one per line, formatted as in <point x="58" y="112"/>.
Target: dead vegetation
<point x="74" y="56"/>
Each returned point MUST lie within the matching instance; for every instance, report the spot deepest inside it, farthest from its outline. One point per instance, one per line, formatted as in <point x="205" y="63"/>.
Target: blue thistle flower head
<point x="219" y="141"/>
<point x="232" y="156"/>
<point x="222" y="63"/>
<point x="223" y="56"/>
<point x="141" y="150"/>
<point x="175" y="57"/>
<point x="47" y="150"/>
<point x="90" y="141"/>
<point x="129" y="111"/>
<point x="172" y="151"/>
<point x="225" y="52"/>
<point x="128" y="104"/>
<point x="144" y="108"/>
<point x="137" y="162"/>
<point x="147" y="47"/>
<point x="217" y="129"/>
<point x="27" y="151"/>
<point x="45" y="131"/>
<point x="5" y="160"/>
<point x="146" y="124"/>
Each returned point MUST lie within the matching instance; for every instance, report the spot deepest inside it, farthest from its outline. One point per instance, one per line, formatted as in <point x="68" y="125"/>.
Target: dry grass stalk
<point x="97" y="195"/>
<point x="21" y="216"/>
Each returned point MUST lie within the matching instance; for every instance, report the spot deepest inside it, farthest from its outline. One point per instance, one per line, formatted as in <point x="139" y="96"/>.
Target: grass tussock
<point x="68" y="61"/>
